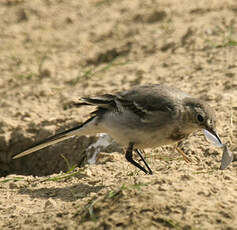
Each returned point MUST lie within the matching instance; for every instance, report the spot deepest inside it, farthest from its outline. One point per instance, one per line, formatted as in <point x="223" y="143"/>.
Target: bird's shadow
<point x="67" y="194"/>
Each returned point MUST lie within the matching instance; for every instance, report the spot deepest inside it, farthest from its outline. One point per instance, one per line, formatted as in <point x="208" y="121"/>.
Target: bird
<point x="145" y="116"/>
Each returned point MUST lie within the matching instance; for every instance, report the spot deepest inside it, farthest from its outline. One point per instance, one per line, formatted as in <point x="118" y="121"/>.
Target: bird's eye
<point x="200" y="118"/>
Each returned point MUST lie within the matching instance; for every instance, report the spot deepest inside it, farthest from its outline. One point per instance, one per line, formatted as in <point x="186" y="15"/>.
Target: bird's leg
<point x="139" y="152"/>
<point x="188" y="160"/>
<point x="129" y="158"/>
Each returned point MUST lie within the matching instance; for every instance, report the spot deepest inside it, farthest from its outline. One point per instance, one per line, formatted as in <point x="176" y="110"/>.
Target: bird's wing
<point x="149" y="102"/>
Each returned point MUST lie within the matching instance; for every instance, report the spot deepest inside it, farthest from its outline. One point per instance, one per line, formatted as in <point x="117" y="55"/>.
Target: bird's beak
<point x="213" y="132"/>
<point x="212" y="136"/>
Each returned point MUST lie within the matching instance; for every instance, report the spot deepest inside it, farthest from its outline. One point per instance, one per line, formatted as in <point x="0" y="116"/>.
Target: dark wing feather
<point x="142" y="100"/>
<point x="147" y="99"/>
<point x="105" y="101"/>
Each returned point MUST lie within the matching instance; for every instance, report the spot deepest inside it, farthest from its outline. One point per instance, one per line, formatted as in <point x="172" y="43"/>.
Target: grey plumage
<point x="142" y="117"/>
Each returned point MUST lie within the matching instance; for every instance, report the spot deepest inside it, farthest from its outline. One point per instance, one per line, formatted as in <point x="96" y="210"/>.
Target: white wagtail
<point x="143" y="117"/>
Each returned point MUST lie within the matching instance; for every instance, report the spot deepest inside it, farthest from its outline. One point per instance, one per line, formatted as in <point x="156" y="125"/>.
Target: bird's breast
<point x="177" y="135"/>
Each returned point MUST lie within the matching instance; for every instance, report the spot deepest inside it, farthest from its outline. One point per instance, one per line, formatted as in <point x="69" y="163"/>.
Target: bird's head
<point x="202" y="116"/>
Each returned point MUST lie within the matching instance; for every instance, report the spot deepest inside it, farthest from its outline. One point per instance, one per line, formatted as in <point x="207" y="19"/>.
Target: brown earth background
<point x="55" y="51"/>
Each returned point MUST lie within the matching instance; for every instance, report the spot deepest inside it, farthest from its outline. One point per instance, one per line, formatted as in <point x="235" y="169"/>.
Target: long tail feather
<point x="52" y="140"/>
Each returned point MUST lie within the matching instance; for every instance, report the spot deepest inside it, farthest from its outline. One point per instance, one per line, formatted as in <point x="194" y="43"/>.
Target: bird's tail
<point x="78" y="130"/>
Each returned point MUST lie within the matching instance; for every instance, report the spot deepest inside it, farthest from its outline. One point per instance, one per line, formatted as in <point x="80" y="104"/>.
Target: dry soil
<point x="53" y="52"/>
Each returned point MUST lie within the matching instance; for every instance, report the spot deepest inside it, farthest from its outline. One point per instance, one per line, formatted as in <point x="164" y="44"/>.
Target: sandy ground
<point x="53" y="52"/>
